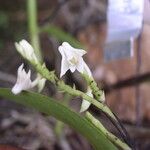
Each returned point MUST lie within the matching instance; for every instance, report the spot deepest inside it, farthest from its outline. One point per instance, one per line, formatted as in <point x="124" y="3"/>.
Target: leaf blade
<point x="51" y="107"/>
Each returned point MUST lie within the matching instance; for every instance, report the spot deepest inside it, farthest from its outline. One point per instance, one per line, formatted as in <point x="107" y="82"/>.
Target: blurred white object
<point x="124" y="24"/>
<point x="26" y="50"/>
<point x="124" y="19"/>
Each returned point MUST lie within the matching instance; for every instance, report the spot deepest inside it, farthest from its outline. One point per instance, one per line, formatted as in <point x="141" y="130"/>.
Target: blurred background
<point x="120" y="67"/>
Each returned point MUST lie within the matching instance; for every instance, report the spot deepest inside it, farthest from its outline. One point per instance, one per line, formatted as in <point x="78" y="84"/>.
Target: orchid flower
<point x="23" y="81"/>
<point x="26" y="50"/>
<point x="72" y="59"/>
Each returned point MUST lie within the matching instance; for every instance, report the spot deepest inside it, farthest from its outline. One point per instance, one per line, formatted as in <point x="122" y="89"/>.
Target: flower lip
<point x="73" y="61"/>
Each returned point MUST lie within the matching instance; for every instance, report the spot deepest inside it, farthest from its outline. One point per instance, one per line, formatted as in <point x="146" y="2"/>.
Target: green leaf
<point x="51" y="107"/>
<point x="61" y="35"/>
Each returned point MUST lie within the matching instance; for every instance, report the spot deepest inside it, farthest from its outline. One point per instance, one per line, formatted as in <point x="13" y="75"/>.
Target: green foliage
<point x="51" y="107"/>
<point x="61" y="35"/>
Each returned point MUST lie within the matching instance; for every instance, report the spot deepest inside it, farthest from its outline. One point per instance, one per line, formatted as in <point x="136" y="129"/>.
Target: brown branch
<point x="132" y="81"/>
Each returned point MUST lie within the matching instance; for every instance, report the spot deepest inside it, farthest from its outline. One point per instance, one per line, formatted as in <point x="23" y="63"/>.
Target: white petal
<point x="26" y="46"/>
<point x="19" y="48"/>
<point x="85" y="104"/>
<point x="80" y="66"/>
<point x="66" y="45"/>
<point x="64" y="63"/>
<point x="16" y="89"/>
<point x="87" y="69"/>
<point x="60" y="48"/>
<point x="20" y="68"/>
<point x="79" y="52"/>
<point x="64" y="67"/>
<point x="26" y="50"/>
<point x="71" y="49"/>
<point x="23" y="81"/>
<point x="72" y="68"/>
<point x="67" y="50"/>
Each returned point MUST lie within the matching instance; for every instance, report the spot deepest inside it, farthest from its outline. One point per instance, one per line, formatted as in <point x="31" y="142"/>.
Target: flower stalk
<point x="98" y="94"/>
<point x="50" y="75"/>
<point x="33" y="27"/>
<point x="108" y="134"/>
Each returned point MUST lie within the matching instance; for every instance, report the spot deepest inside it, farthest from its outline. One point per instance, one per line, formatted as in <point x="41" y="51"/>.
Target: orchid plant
<point x="72" y="59"/>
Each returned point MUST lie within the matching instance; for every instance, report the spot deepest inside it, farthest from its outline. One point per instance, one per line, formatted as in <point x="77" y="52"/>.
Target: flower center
<point x="73" y="60"/>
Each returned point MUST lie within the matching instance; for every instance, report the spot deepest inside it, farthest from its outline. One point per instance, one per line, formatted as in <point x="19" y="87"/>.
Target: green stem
<point x="99" y="94"/>
<point x="103" y="107"/>
<point x="108" y="134"/>
<point x="62" y="86"/>
<point x="33" y="27"/>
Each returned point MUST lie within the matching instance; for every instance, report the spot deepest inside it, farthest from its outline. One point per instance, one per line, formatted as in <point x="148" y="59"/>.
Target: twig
<point x="132" y="81"/>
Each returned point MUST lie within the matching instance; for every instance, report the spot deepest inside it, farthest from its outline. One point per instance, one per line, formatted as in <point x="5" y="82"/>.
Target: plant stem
<point x="62" y="86"/>
<point x="99" y="94"/>
<point x="32" y="19"/>
<point x="67" y="89"/>
<point x="33" y="27"/>
<point x="108" y="134"/>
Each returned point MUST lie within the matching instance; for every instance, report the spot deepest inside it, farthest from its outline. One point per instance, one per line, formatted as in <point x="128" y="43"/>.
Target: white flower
<point x="71" y="58"/>
<point x="26" y="50"/>
<point x="23" y="81"/>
